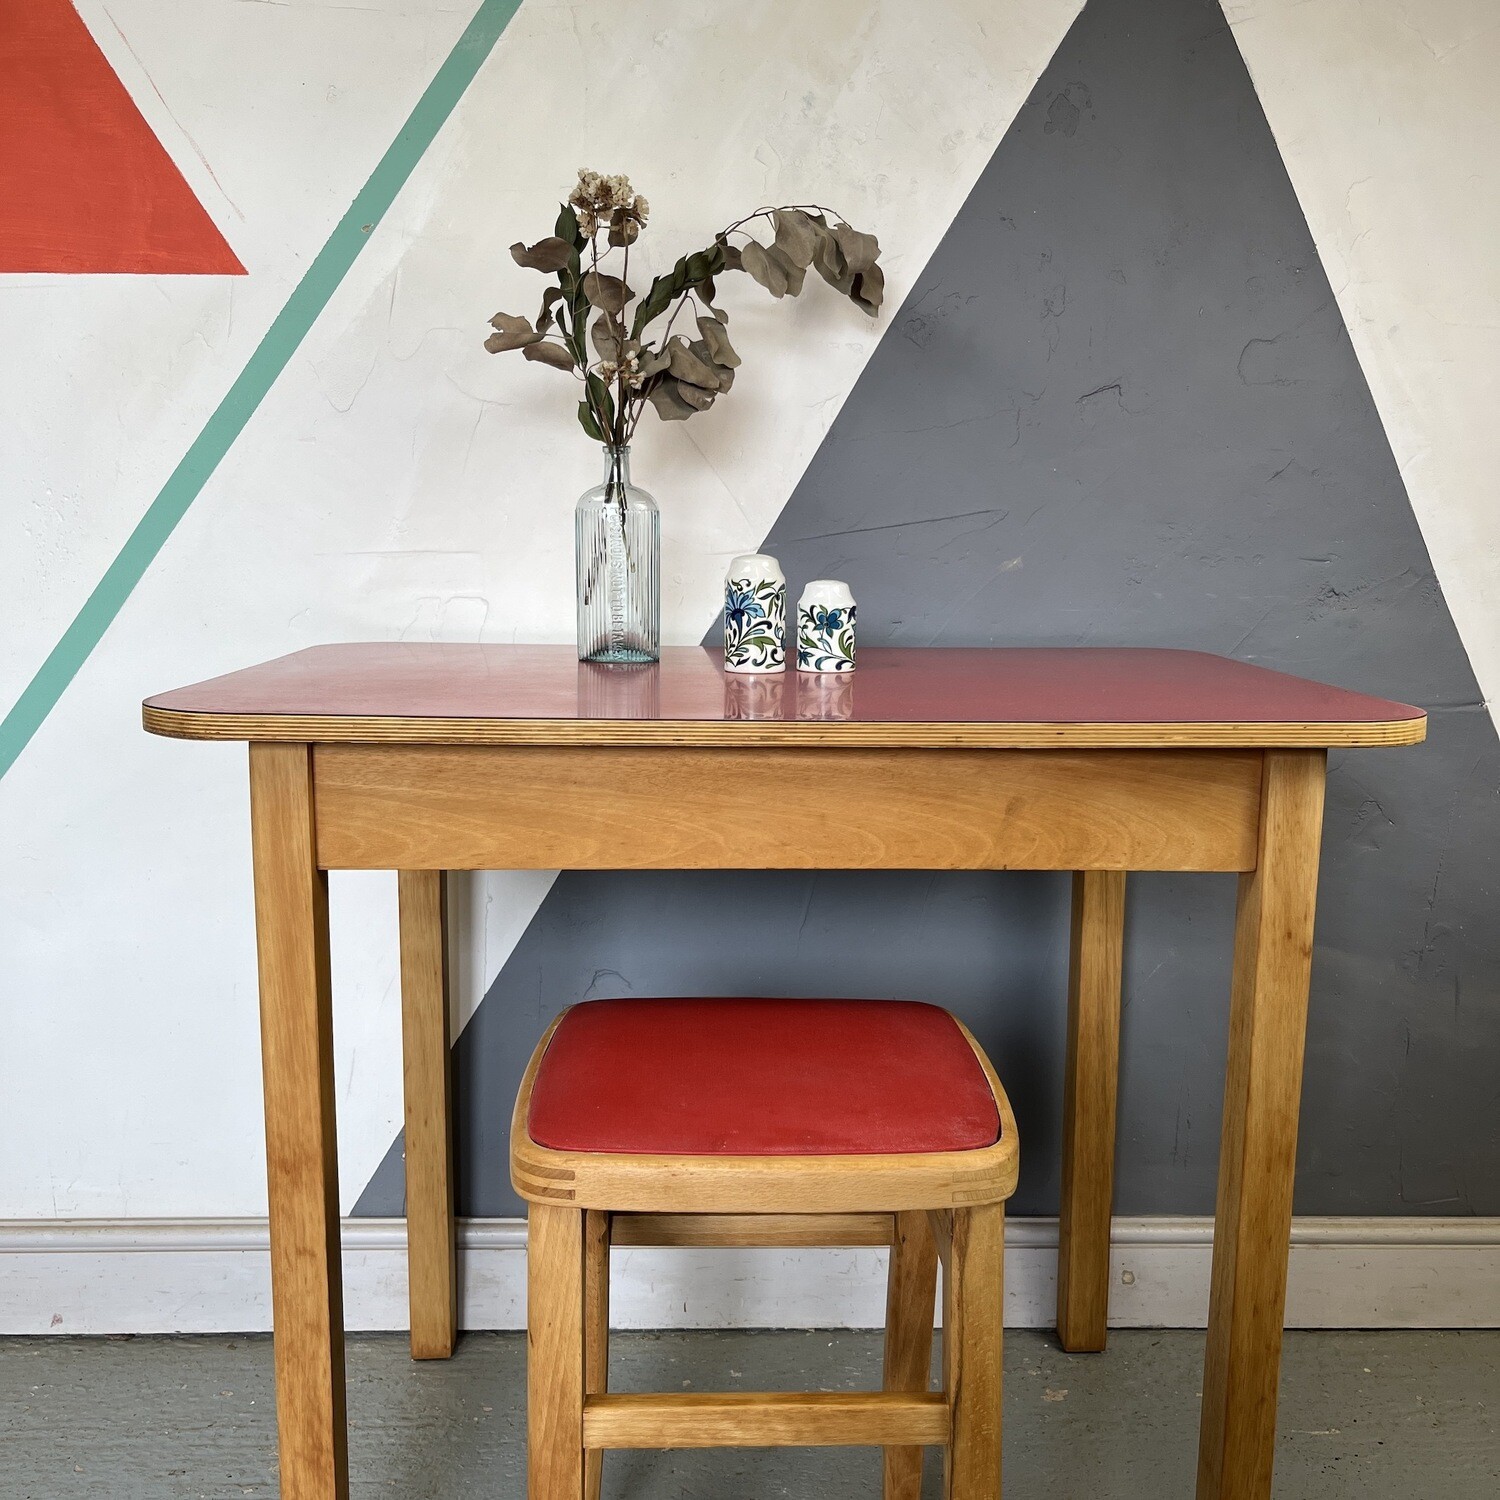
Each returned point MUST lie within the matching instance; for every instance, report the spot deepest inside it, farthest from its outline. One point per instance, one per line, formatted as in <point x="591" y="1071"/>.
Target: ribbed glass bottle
<point x="618" y="535"/>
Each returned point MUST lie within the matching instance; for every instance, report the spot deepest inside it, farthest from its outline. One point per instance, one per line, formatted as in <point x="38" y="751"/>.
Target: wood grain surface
<point x="910" y="1305"/>
<point x="427" y="1084"/>
<point x="1090" y="1086"/>
<point x="302" y="1179"/>
<point x="434" y="807"/>
<point x="764" y="1419"/>
<point x="1258" y="1148"/>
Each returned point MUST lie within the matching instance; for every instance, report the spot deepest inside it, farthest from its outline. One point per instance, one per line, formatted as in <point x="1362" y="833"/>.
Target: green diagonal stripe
<point x="292" y="323"/>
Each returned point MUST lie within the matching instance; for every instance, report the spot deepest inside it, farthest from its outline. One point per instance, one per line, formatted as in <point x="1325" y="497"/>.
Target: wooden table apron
<point x="423" y="809"/>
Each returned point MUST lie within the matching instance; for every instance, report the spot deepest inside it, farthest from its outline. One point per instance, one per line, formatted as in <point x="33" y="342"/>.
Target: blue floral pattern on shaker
<point x="825" y="639"/>
<point x="755" y="623"/>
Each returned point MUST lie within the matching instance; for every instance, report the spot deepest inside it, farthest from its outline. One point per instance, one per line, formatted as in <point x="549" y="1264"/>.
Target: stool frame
<point x="927" y="1207"/>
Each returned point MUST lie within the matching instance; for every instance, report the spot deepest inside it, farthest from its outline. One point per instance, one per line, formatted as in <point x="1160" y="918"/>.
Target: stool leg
<point x="595" y="1331"/>
<point x="554" y="1353"/>
<point x="910" y="1294"/>
<point x="973" y="1317"/>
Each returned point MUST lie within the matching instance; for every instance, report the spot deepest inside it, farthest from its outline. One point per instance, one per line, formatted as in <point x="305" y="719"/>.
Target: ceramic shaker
<point x="755" y="615"/>
<point x="825" y="627"/>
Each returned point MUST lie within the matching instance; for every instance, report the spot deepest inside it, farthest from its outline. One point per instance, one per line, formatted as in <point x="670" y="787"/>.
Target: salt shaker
<point x="825" y="627"/>
<point x="755" y="615"/>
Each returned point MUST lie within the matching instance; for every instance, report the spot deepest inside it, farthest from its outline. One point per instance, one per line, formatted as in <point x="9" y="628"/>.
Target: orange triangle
<point x="85" y="185"/>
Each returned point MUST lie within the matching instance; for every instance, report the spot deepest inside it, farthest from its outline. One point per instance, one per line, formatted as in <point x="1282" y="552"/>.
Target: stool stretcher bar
<point x="758" y="1231"/>
<point x="762" y="1419"/>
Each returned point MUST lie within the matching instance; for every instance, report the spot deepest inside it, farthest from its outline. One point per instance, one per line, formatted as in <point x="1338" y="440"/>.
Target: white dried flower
<point x="627" y="369"/>
<point x="596" y="198"/>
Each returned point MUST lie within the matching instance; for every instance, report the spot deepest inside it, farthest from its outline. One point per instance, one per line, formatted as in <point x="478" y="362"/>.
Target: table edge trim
<point x="352" y="729"/>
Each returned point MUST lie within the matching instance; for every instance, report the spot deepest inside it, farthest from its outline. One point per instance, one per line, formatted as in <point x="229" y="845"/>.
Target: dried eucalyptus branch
<point x="677" y="375"/>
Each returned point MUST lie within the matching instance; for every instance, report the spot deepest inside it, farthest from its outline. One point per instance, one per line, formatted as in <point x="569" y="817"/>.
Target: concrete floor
<point x="1370" y="1415"/>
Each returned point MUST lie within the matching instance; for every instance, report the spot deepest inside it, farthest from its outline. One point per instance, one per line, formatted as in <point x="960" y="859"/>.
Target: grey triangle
<point x="1119" y="406"/>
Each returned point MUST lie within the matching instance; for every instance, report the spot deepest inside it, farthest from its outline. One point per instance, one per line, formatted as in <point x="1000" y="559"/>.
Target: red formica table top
<point x="1019" y="697"/>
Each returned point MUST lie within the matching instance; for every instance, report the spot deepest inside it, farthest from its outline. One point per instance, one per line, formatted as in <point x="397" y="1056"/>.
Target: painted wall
<point x="1386" y="121"/>
<point x="1109" y="331"/>
<point x="397" y="481"/>
<point x="1119" y="404"/>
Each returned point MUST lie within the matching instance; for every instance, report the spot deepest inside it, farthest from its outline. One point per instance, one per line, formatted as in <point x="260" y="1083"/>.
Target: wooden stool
<point x="771" y="1123"/>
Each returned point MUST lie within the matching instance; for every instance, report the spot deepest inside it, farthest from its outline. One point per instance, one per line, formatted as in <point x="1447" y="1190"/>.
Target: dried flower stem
<point x="678" y="374"/>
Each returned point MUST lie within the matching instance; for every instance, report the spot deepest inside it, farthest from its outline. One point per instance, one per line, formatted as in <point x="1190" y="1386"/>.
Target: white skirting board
<point x="213" y="1276"/>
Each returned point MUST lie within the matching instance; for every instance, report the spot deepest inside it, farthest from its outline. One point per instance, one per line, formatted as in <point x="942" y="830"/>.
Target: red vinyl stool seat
<point x="766" y="1123"/>
<point x="761" y="1078"/>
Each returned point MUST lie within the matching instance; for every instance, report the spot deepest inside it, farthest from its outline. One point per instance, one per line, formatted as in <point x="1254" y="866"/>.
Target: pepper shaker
<point x="755" y="615"/>
<point x="825" y="627"/>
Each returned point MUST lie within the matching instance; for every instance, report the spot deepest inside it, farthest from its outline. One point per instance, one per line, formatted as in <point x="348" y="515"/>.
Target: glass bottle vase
<point x="618" y="555"/>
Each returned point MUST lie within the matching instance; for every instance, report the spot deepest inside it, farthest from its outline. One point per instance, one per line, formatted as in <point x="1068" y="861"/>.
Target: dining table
<point x="424" y="758"/>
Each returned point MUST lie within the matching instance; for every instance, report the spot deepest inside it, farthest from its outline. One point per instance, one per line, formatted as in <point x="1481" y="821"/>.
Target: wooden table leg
<point x="431" y="1270"/>
<point x="911" y="1301"/>
<point x="1257" y="1159"/>
<point x="1089" y="1095"/>
<point x="296" y="1010"/>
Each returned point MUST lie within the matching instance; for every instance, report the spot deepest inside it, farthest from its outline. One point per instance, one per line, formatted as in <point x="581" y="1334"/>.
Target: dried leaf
<point x="723" y="374"/>
<point x="670" y="406"/>
<point x="606" y="292"/>
<point x="601" y="400"/>
<point x="654" y="361"/>
<point x="694" y="367"/>
<point x="770" y="273"/>
<point x="789" y="268"/>
<point x="511" y="332"/>
<point x="733" y="259"/>
<point x="551" y="296"/>
<point x="796" y="235"/>
<point x="655" y="304"/>
<point x="700" y="265"/>
<point x="623" y="229"/>
<point x="567" y="227"/>
<point x="550" y="354"/>
<point x="830" y="262"/>
<point x="860" y="250"/>
<point x="720" y="350"/>
<point x="550" y="254"/>
<point x="606" y="336"/>
<point x="695" y="395"/>
<point x="868" y="291"/>
<point x="587" y="422"/>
